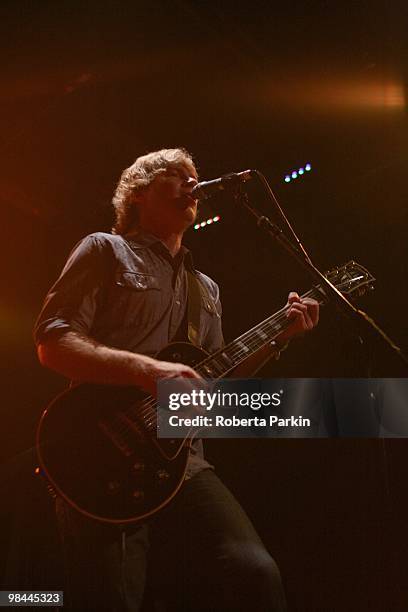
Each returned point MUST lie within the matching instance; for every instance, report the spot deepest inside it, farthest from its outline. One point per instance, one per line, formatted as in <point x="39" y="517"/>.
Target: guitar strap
<point x="197" y="294"/>
<point x="193" y="308"/>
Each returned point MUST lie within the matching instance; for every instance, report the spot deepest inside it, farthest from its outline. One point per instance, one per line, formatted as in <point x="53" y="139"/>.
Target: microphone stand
<point x="365" y="325"/>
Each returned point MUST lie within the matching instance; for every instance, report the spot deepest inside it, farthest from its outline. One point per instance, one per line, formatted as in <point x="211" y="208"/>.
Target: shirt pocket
<point x="137" y="281"/>
<point x="138" y="299"/>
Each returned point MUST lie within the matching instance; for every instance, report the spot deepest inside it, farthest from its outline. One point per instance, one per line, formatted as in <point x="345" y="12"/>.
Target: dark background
<point x="87" y="87"/>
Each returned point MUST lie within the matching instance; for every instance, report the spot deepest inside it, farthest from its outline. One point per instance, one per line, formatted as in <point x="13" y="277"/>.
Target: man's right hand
<point x="156" y="370"/>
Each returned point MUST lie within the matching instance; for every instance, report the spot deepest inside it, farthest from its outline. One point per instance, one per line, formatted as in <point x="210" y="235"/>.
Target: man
<point x="120" y="298"/>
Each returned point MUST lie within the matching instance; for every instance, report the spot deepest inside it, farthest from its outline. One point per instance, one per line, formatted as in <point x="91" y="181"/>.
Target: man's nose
<point x="191" y="182"/>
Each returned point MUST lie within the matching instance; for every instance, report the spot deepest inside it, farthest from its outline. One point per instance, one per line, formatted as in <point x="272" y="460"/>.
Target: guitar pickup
<point x="116" y="438"/>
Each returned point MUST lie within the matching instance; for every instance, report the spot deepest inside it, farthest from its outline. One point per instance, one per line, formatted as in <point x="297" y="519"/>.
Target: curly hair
<point x="136" y="178"/>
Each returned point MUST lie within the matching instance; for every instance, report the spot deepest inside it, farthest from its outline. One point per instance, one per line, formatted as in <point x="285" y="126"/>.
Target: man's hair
<point x="136" y="178"/>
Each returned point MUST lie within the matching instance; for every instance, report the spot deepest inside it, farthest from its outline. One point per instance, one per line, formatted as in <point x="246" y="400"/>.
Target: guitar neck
<point x="226" y="359"/>
<point x="219" y="364"/>
<point x="350" y="278"/>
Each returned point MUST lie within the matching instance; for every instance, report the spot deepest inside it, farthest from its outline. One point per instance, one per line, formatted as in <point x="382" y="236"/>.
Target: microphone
<point x="206" y="189"/>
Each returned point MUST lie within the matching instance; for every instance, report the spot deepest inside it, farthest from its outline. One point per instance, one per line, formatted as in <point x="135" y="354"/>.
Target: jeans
<point x="201" y="551"/>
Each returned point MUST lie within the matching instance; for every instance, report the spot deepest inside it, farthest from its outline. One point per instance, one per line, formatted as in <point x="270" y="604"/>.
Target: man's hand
<point x="157" y="370"/>
<point x="304" y="312"/>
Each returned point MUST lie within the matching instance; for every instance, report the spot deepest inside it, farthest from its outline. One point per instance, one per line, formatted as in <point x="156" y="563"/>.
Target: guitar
<point x="97" y="444"/>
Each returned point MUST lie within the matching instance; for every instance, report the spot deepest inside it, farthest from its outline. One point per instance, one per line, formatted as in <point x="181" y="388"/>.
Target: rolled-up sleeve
<point x="71" y="303"/>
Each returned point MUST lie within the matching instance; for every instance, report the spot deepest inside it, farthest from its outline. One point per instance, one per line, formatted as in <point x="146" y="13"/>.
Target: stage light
<point x="294" y="174"/>
<point x="209" y="221"/>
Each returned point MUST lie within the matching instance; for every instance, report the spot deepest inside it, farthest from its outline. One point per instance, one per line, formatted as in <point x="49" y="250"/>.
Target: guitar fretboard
<point x="226" y="359"/>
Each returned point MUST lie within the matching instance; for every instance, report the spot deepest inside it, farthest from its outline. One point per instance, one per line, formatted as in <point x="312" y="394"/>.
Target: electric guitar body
<point x="98" y="448"/>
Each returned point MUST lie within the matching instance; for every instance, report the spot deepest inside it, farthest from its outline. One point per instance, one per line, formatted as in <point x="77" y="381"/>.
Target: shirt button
<point x="178" y="302"/>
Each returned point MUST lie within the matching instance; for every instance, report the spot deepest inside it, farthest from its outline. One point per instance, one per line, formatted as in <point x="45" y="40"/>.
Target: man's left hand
<point x="304" y="313"/>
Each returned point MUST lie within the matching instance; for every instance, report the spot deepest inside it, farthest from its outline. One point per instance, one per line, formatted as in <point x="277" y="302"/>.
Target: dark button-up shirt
<point x="130" y="294"/>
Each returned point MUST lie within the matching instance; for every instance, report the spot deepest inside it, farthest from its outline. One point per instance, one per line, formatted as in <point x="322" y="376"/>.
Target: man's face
<point x="166" y="204"/>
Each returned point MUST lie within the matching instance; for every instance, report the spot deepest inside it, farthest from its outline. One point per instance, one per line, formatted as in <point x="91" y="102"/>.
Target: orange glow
<point x="341" y="94"/>
<point x="381" y="95"/>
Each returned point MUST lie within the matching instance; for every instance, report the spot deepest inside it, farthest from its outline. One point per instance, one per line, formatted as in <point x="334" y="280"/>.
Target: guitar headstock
<point x="351" y="279"/>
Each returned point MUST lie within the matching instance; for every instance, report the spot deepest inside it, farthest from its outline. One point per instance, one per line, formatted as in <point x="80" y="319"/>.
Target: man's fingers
<point x="308" y="306"/>
<point x="299" y="313"/>
<point x="188" y="372"/>
<point x="293" y="297"/>
<point x="304" y="313"/>
<point x="313" y="309"/>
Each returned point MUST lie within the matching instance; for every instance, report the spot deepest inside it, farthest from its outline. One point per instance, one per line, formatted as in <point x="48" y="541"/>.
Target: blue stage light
<point x="294" y="174"/>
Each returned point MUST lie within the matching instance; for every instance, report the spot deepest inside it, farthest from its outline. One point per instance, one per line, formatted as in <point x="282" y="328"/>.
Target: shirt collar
<point x="141" y="239"/>
<point x="144" y="239"/>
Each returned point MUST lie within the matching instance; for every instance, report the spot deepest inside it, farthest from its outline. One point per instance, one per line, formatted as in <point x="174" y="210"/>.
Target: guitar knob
<point x="138" y="467"/>
<point x="162" y="475"/>
<point x="138" y="495"/>
<point x="113" y="487"/>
